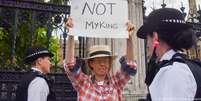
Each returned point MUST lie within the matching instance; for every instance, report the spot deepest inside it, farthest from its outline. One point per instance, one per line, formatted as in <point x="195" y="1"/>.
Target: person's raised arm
<point x="72" y="64"/>
<point x="70" y="45"/>
<point x="128" y="65"/>
<point x="129" y="49"/>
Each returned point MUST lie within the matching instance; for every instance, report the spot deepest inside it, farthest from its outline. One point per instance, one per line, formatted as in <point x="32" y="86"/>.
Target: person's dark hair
<point x="34" y="62"/>
<point x="180" y="40"/>
<point x="89" y="63"/>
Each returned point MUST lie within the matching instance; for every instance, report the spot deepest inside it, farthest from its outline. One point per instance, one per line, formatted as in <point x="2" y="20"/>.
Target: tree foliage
<point x="29" y="33"/>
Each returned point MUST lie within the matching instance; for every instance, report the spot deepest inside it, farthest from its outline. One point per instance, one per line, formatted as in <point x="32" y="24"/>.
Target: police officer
<point x="34" y="85"/>
<point x="168" y="34"/>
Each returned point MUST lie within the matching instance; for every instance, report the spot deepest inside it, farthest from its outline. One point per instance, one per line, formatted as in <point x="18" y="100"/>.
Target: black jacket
<point x="22" y="91"/>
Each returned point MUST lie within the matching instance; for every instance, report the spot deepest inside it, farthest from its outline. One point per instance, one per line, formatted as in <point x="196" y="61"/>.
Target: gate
<point x="31" y="16"/>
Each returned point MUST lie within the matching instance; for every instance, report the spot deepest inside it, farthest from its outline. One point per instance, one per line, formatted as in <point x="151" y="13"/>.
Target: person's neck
<point x="161" y="52"/>
<point x="38" y="68"/>
<point x="100" y="77"/>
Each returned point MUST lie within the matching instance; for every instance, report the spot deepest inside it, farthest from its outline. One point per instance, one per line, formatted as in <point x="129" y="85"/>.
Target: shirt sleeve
<point x="122" y="76"/>
<point x="75" y="75"/>
<point x="38" y="90"/>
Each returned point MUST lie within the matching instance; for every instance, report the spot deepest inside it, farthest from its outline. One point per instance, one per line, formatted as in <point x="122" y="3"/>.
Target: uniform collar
<point x="168" y="55"/>
<point x="36" y="69"/>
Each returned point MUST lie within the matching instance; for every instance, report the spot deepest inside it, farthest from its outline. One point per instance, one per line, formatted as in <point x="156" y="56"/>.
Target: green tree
<point x="29" y="33"/>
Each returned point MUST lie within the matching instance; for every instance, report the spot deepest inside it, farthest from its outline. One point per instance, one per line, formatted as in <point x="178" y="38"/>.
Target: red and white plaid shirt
<point x="111" y="90"/>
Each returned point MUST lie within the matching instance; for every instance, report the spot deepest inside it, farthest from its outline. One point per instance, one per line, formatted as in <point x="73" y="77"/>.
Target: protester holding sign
<point x="100" y="86"/>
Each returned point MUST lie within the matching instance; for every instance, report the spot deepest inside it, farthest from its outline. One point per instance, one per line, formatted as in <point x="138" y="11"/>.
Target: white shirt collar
<point x="36" y="69"/>
<point x="168" y="55"/>
<point x="100" y="82"/>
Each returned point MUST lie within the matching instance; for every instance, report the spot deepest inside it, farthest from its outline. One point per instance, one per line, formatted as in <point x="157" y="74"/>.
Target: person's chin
<point x="102" y="73"/>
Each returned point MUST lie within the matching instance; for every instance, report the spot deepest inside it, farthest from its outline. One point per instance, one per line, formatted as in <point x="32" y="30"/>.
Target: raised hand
<point x="69" y="23"/>
<point x="130" y="28"/>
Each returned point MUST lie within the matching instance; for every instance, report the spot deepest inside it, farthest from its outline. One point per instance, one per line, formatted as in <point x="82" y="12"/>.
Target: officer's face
<point x="45" y="64"/>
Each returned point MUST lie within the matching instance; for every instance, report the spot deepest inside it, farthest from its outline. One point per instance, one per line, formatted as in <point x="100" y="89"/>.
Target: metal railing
<point x="61" y="86"/>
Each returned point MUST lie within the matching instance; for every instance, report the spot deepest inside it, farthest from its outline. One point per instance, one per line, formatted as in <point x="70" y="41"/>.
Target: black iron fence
<point x="25" y="23"/>
<point x="9" y="82"/>
<point x="20" y="24"/>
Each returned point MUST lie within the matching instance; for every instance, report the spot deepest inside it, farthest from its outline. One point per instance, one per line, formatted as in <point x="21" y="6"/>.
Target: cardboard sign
<point x="100" y="18"/>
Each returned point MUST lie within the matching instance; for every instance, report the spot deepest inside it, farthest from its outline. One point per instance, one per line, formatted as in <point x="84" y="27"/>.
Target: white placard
<point x="100" y="18"/>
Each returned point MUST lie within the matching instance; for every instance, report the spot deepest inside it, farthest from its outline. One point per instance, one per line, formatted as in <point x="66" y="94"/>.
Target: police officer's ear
<point x="155" y="39"/>
<point x="39" y="60"/>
